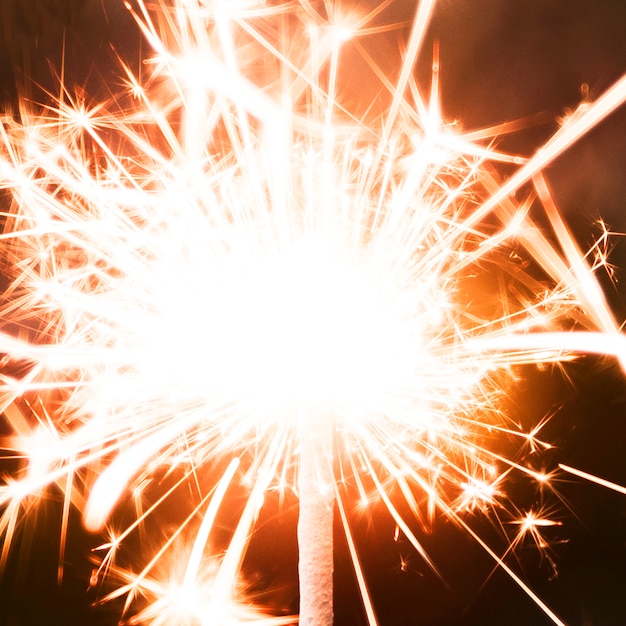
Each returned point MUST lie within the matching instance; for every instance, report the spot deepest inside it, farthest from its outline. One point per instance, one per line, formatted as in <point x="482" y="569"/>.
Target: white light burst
<point x="234" y="277"/>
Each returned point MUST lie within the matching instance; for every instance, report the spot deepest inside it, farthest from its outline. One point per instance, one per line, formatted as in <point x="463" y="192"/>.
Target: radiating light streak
<point x="594" y="479"/>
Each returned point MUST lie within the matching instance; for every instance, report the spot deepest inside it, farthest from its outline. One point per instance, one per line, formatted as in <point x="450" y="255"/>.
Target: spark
<point x="232" y="277"/>
<point x="532" y="524"/>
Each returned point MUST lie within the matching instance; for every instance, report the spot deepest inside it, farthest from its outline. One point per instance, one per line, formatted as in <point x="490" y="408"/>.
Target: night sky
<point x="500" y="60"/>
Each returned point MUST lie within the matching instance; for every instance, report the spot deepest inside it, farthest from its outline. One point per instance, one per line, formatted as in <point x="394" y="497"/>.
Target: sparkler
<point x="234" y="270"/>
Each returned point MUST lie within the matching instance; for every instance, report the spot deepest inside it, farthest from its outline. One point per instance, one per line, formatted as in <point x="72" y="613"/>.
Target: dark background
<point x="501" y="60"/>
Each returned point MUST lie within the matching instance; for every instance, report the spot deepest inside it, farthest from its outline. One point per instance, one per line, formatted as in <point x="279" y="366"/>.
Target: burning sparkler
<point x="232" y="271"/>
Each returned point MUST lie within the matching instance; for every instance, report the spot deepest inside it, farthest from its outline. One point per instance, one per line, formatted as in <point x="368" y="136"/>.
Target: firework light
<point x="237" y="287"/>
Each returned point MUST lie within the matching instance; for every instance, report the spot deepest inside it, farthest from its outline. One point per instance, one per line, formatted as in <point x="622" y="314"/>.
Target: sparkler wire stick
<point x="315" y="521"/>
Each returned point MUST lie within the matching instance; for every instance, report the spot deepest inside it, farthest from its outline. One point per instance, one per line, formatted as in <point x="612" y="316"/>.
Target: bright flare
<point x="233" y="256"/>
